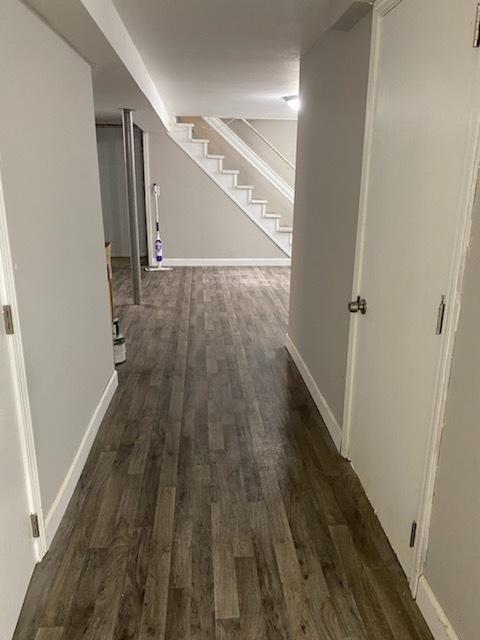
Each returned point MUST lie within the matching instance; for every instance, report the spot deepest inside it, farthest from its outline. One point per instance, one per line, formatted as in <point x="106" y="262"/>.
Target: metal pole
<point x="131" y="182"/>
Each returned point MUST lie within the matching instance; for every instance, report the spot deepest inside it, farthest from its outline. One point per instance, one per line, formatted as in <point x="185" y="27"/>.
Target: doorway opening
<point x="113" y="190"/>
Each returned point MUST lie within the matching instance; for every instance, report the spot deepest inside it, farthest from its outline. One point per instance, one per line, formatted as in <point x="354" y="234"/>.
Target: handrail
<point x="267" y="142"/>
<point x="241" y="147"/>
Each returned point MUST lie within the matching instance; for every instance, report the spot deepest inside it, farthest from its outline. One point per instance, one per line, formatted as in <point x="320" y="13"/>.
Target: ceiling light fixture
<point x="293" y="102"/>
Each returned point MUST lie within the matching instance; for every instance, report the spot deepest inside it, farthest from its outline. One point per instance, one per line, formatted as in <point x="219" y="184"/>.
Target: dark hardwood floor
<point x="213" y="505"/>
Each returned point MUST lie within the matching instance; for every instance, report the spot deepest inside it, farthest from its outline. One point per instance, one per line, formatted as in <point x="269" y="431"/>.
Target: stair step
<point x="182" y="134"/>
<point x="231" y="171"/>
<point x="275" y="216"/>
<point x="215" y="156"/>
<point x="213" y="164"/>
<point x="285" y="229"/>
<point x="257" y="201"/>
<point x="226" y="179"/>
<point x="200" y="140"/>
<point x="184" y="125"/>
<point x="245" y="186"/>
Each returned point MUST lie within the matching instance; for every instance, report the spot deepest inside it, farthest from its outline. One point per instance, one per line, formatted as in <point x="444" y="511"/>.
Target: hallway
<point x="213" y="504"/>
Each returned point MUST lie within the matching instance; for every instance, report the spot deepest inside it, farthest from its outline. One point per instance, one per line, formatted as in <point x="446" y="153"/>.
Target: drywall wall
<point x="52" y="197"/>
<point x="282" y="134"/>
<point x="333" y="87"/>
<point x="112" y="182"/>
<point x="198" y="220"/>
<point x="453" y="561"/>
<point x="264" y="190"/>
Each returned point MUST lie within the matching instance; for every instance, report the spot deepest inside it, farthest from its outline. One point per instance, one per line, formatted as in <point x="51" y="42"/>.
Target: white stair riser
<point x="213" y="165"/>
<point x="270" y="225"/>
<point x="195" y="149"/>
<point x="182" y="135"/>
<point x="219" y="162"/>
<point x="227" y="180"/>
<point x="243" y="195"/>
<point x="257" y="211"/>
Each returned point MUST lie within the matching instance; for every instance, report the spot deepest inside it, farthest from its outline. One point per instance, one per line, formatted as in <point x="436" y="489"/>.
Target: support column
<point x="131" y="183"/>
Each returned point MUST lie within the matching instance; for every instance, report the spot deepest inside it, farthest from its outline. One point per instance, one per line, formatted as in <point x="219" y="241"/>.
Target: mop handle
<point x="156" y="193"/>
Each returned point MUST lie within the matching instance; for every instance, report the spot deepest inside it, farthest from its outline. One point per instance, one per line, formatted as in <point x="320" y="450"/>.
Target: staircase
<point x="227" y="180"/>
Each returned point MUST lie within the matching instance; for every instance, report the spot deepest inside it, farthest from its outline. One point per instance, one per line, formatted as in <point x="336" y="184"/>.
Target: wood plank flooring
<point x="213" y="505"/>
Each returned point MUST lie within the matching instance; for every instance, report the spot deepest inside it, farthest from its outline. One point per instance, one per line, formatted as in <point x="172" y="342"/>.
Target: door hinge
<point x="476" y="36"/>
<point x="35" y="526"/>
<point x="8" y="320"/>
<point x="440" y="316"/>
<point x="413" y="534"/>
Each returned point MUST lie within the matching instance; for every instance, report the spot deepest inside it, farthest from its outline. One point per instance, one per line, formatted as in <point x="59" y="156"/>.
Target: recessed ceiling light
<point x="293" y="102"/>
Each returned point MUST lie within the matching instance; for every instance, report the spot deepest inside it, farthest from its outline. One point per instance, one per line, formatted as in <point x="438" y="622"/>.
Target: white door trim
<point x="441" y="386"/>
<point x="472" y="160"/>
<point x="149" y="221"/>
<point x="8" y="294"/>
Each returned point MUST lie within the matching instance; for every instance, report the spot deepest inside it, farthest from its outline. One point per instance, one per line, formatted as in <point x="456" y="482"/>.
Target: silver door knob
<point x="360" y="304"/>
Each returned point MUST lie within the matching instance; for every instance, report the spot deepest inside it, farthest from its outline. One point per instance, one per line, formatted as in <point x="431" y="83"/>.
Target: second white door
<point x="424" y="70"/>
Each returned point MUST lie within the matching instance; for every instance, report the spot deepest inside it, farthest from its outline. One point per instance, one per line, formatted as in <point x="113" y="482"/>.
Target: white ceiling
<point x="224" y="57"/>
<point x="205" y="57"/>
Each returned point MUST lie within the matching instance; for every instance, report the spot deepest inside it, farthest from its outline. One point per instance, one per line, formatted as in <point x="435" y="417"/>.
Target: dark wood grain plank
<point x="53" y="633"/>
<point x="214" y="505"/>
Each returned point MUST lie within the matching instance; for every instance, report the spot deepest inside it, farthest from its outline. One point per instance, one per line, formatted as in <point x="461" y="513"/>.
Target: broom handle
<point x="157" y="214"/>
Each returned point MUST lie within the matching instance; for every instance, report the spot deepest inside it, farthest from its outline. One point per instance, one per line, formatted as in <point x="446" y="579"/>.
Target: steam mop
<point x="158" y="240"/>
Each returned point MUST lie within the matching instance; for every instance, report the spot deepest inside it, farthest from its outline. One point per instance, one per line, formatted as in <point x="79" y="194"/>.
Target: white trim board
<point x="226" y="262"/>
<point x="331" y="423"/>
<point x="149" y="221"/>
<point x="251" y="157"/>
<point x="433" y="613"/>
<point x="63" y="497"/>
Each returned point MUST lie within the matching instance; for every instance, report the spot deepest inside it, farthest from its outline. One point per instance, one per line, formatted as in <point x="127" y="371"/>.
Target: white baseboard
<point x="62" y="499"/>
<point x="433" y="613"/>
<point x="227" y="262"/>
<point x="325" y="411"/>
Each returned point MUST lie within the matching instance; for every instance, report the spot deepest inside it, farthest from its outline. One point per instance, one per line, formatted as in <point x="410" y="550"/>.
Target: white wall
<point x="198" y="220"/>
<point x="333" y="87"/>
<point x="113" y="189"/>
<point x="453" y="561"/>
<point x="50" y="176"/>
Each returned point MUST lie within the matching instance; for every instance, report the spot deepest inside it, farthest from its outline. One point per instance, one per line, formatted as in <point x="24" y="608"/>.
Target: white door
<point x="419" y="151"/>
<point x="17" y="557"/>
